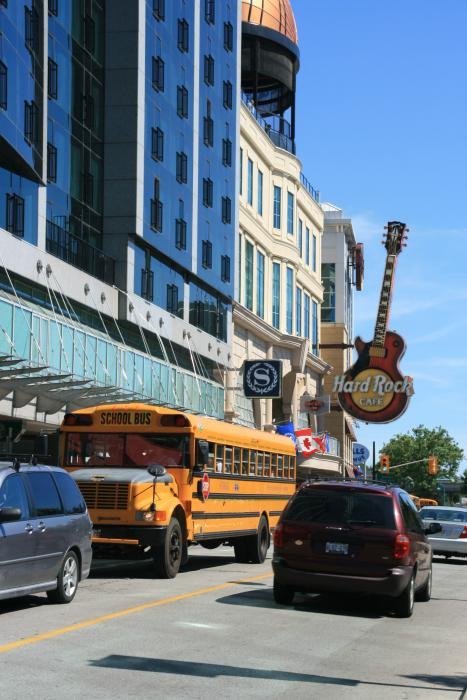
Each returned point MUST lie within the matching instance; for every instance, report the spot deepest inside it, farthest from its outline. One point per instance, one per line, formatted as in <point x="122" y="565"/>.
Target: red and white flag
<point x="320" y="440"/>
<point x="305" y="442"/>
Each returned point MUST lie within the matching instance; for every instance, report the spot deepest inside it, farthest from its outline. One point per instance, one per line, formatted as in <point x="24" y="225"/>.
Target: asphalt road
<point x="215" y="631"/>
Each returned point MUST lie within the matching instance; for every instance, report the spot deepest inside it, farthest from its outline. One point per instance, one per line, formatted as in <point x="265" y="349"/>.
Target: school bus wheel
<point x="168" y="557"/>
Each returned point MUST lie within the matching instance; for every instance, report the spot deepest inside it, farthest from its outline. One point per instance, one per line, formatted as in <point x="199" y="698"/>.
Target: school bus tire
<point x="258" y="544"/>
<point x="168" y="557"/>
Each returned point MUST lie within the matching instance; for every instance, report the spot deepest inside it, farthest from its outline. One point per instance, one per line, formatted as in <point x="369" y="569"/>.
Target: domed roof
<point x="273" y="14"/>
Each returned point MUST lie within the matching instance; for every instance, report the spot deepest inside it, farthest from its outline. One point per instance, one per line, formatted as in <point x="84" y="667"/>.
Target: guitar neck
<point x="384" y="304"/>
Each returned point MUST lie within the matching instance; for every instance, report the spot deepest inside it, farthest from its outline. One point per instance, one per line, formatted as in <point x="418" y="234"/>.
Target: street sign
<point x="316" y="405"/>
<point x="205" y="486"/>
<point x="262" y="379"/>
<point x="360" y="453"/>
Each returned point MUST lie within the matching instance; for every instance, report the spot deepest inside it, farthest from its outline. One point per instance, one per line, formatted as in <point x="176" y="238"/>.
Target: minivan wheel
<point x="405" y="602"/>
<point x="283" y="595"/>
<point x="424" y="593"/>
<point x="67" y="580"/>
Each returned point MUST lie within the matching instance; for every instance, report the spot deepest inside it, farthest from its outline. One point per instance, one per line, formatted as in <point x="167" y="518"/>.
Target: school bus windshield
<point x="125" y="450"/>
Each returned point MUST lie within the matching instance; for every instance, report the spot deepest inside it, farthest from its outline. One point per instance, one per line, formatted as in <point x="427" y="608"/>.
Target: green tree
<point x="419" y="445"/>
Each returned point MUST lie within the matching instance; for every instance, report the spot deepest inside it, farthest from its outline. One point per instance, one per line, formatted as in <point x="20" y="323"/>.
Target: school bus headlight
<point x="147" y="515"/>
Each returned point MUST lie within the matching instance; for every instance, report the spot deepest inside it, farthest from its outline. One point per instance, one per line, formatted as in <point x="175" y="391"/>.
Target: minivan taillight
<point x="401" y="546"/>
<point x="278" y="535"/>
<point x="463" y="534"/>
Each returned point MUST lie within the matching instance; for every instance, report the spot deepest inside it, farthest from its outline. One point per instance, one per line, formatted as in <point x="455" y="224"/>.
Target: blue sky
<point x="382" y="133"/>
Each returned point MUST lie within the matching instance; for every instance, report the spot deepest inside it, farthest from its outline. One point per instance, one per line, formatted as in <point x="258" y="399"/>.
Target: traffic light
<point x="432" y="465"/>
<point x="385" y="463"/>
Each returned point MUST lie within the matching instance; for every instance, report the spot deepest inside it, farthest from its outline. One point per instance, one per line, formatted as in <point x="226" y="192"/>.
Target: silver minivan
<point x="45" y="533"/>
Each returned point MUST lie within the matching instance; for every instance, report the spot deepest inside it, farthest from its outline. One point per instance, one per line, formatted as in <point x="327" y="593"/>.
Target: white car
<point x="452" y="540"/>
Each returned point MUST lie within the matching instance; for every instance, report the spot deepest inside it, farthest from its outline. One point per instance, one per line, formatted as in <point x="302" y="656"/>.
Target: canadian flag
<point x="305" y="442"/>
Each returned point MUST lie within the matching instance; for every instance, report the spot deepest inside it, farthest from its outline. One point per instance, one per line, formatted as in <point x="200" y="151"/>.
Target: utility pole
<point x="374" y="461"/>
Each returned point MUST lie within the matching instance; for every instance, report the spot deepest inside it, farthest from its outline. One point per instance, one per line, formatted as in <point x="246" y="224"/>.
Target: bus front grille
<point x="104" y="496"/>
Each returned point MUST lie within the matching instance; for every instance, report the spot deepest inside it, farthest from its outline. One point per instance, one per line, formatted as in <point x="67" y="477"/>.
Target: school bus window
<point x="219" y="458"/>
<point x="273" y="465"/>
<point x="253" y="462"/>
<point x="237" y="459"/>
<point x="228" y="460"/>
<point x="280" y="465"/>
<point x="245" y="459"/>
<point x="267" y="463"/>
<point x="260" y="463"/>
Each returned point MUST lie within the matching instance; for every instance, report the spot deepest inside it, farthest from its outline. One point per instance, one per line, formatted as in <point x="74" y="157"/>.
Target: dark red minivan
<point x="352" y="537"/>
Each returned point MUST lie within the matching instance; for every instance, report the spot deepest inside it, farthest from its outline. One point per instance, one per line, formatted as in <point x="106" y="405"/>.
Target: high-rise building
<point x="118" y="218"/>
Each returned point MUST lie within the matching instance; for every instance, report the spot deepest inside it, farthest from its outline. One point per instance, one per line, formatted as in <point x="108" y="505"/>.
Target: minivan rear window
<point x="333" y="506"/>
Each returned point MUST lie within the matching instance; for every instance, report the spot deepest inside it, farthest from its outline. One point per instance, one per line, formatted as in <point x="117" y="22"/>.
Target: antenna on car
<point x="16" y="464"/>
<point x="33" y="460"/>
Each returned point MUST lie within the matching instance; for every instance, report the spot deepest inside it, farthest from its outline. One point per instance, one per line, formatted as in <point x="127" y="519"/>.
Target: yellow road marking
<point x="121" y="613"/>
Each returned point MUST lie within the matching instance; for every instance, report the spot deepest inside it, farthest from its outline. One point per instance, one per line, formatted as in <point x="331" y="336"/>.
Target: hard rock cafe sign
<point x="373" y="389"/>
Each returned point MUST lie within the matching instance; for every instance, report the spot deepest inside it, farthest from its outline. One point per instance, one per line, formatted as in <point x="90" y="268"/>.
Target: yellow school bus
<point x="157" y="480"/>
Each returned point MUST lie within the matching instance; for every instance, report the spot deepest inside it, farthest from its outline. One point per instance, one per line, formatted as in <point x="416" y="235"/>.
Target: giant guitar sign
<point x="373" y="389"/>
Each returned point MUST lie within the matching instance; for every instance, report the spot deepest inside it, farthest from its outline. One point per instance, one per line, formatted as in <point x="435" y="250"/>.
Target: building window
<point x="208" y="127"/>
<point x="156" y="208"/>
<point x="290" y="213"/>
<point x="276" y="294"/>
<point x="51" y="163"/>
<point x="307" y="245"/>
<point x="207" y="254"/>
<point x="306" y="315"/>
<point x="313" y="253"/>
<point x="209" y="70"/>
<point x="147" y="284"/>
<point x="314" y="328"/>
<point x="157" y="144"/>
<point x="260" y="193"/>
<point x="15" y="215"/>
<point x="87" y="110"/>
<point x="182" y="167"/>
<point x="249" y="275"/>
<point x="226" y="152"/>
<point x="250" y="182"/>
<point x="89" y="33"/>
<point x="31" y="28"/>
<point x="289" y="301"/>
<point x="3" y="86"/>
<point x="52" y="79"/>
<point x="226" y="210"/>
<point x="53" y="7"/>
<point x="210" y="11"/>
<point x="228" y="36"/>
<point x="158" y="73"/>
<point x="328" y="280"/>
<point x="227" y="94"/>
<point x="260" y="284"/>
<point x="300" y="237"/>
<point x="207" y="192"/>
<point x="158" y="9"/>
<point x="180" y="234"/>
<point x="182" y="101"/>
<point x="87" y="188"/>
<point x="225" y="268"/>
<point x="240" y="174"/>
<point x="183" y="36"/>
<point x="298" y="311"/>
<point x="172" y="298"/>
<point x="276" y="218"/>
<point x="31" y="122"/>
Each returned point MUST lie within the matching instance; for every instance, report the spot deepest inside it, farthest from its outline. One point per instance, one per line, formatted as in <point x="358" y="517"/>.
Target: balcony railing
<point x="306" y="184"/>
<point x="74" y="250"/>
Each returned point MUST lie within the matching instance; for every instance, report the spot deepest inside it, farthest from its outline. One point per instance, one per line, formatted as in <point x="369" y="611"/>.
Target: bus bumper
<point x="110" y="541"/>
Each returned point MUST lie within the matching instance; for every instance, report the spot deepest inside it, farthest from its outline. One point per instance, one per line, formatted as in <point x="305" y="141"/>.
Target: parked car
<point x="451" y="540"/>
<point x="352" y="537"/>
<point x="45" y="533"/>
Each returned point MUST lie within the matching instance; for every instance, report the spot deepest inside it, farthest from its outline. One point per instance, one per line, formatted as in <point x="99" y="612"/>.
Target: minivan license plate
<point x="337" y="548"/>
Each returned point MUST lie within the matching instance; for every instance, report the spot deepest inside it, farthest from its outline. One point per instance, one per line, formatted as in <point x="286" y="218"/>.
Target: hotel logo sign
<point x="262" y="379"/>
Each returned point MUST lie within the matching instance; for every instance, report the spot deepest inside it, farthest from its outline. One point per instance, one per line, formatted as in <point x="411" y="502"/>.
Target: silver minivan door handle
<point x="41" y="526"/>
<point x="29" y="528"/>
